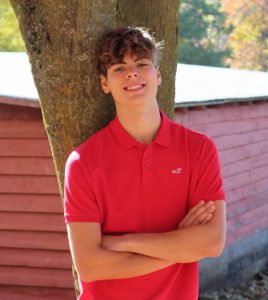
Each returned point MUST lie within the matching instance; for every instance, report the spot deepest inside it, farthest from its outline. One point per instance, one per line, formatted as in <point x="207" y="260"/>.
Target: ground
<point x="256" y="289"/>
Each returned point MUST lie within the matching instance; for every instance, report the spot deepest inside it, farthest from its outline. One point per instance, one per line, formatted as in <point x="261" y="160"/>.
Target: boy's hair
<point x="116" y="43"/>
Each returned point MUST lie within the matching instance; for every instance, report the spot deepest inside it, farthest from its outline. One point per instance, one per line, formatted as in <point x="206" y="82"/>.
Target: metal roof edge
<point x="19" y="101"/>
<point x="219" y="101"/>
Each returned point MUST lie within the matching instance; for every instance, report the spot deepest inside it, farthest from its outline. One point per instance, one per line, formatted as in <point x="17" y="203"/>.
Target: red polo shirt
<point x="130" y="187"/>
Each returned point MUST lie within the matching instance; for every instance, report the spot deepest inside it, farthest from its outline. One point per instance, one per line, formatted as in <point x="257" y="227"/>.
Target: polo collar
<point x="164" y="133"/>
<point x="127" y="141"/>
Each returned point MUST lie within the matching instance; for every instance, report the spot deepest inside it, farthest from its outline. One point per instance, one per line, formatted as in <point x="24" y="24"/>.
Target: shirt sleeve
<point x="80" y="203"/>
<point x="206" y="181"/>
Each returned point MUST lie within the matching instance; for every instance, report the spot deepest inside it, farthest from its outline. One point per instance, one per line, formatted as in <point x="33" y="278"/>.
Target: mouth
<point x="135" y="87"/>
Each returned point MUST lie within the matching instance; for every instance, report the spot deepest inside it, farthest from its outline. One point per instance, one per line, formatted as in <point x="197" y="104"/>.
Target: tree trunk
<point x="161" y="17"/>
<point x="60" y="38"/>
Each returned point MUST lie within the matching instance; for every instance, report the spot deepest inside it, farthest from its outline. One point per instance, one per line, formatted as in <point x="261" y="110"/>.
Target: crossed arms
<point x="97" y="257"/>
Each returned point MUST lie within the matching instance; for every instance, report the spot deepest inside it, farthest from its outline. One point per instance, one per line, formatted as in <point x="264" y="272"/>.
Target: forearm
<point x="182" y="245"/>
<point x="115" y="265"/>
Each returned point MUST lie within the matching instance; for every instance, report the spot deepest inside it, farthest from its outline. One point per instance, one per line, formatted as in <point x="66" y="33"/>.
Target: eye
<point x="118" y="69"/>
<point x="143" y="64"/>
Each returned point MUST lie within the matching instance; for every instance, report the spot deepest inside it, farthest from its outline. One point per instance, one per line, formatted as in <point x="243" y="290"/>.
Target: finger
<point x="186" y="217"/>
<point x="209" y="216"/>
<point x="207" y="219"/>
<point x="191" y="213"/>
<point x="201" y="207"/>
<point x="201" y="218"/>
<point x="210" y="209"/>
<point x="197" y="206"/>
<point x="198" y="215"/>
<point x="203" y="212"/>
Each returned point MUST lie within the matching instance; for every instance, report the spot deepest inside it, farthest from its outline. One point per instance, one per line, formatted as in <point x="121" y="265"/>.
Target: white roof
<point x="15" y="76"/>
<point x="193" y="83"/>
<point x="202" y="83"/>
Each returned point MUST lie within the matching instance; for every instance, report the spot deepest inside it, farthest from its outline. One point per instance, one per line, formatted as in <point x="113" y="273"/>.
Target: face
<point x="132" y="82"/>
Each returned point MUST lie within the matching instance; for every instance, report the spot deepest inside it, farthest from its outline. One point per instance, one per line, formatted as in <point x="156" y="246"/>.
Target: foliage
<point x="249" y="40"/>
<point x="10" y="38"/>
<point x="202" y="33"/>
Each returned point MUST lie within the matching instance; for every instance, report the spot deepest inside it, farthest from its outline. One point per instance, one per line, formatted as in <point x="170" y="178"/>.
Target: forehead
<point x="132" y="57"/>
<point x="129" y="57"/>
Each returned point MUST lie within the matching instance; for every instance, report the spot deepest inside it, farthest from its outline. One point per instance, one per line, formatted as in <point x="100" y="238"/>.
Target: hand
<point x="201" y="213"/>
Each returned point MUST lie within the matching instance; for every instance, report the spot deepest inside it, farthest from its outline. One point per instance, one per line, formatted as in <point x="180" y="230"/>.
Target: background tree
<point x="10" y="38"/>
<point x="203" y="33"/>
<point x="249" y="40"/>
<point x="60" y="38"/>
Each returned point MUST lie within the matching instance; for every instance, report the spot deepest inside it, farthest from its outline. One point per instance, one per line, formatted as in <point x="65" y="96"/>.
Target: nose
<point x="132" y="73"/>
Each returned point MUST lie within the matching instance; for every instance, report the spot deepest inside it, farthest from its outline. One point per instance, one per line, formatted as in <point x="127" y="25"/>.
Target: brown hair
<point x="116" y="43"/>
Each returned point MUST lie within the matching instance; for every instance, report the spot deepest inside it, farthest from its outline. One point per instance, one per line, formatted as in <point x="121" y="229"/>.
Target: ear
<point x="104" y="84"/>
<point x="158" y="76"/>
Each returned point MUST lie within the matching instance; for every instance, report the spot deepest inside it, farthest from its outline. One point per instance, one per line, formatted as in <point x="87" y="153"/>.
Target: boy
<point x="143" y="196"/>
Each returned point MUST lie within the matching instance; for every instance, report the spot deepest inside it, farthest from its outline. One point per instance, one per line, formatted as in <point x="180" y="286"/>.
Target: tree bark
<point x="60" y="38"/>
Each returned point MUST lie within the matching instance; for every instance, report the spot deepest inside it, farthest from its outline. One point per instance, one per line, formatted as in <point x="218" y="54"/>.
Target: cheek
<point x="115" y="87"/>
<point x="116" y="91"/>
<point x="152" y="74"/>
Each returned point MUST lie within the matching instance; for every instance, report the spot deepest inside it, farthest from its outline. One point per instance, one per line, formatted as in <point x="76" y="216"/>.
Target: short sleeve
<point x="206" y="181"/>
<point x="80" y="203"/>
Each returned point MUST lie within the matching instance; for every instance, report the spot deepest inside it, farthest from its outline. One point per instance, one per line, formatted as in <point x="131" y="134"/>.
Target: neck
<point x="141" y="125"/>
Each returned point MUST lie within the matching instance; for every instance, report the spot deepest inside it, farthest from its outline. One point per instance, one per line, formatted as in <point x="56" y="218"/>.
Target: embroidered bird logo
<point x="176" y="171"/>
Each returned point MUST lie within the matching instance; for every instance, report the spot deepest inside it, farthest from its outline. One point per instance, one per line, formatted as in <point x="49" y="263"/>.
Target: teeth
<point x="134" y="87"/>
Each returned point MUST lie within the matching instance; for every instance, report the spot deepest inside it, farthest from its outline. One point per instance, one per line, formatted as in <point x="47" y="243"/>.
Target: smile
<point x="134" y="87"/>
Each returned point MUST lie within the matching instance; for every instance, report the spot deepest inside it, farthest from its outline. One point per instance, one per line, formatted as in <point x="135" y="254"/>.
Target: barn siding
<point x="35" y="260"/>
<point x="241" y="135"/>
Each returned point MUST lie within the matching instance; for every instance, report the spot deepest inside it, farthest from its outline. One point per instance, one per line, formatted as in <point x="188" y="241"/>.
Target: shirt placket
<point x="147" y="185"/>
